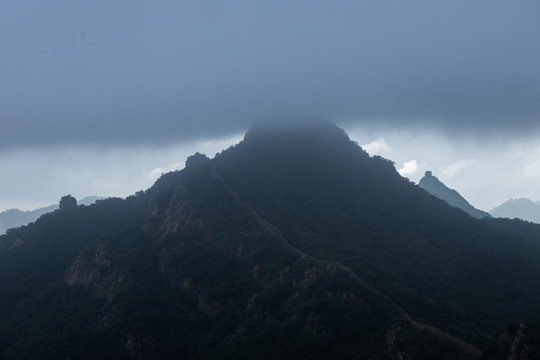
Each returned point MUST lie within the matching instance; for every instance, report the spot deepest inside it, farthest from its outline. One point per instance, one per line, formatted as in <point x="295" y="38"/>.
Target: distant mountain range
<point x="14" y="217"/>
<point x="435" y="187"/>
<point x="521" y="208"/>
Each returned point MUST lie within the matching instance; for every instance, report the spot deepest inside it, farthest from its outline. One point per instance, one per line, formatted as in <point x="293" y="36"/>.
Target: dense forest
<point x="294" y="243"/>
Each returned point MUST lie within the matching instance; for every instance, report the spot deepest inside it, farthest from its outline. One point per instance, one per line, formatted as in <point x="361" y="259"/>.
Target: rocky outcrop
<point x="436" y="188"/>
<point x="518" y="342"/>
<point x="67" y="202"/>
<point x="94" y="272"/>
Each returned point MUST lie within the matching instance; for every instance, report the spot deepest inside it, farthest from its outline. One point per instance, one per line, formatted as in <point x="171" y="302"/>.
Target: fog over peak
<point x="133" y="72"/>
<point x="135" y="78"/>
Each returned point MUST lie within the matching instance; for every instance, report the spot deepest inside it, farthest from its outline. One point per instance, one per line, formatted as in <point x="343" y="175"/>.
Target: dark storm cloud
<point x="135" y="71"/>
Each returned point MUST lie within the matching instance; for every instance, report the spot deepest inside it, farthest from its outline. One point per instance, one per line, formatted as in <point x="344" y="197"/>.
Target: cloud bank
<point x="133" y="72"/>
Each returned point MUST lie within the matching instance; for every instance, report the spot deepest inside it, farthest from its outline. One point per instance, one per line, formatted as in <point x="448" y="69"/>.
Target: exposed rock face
<point x="392" y="341"/>
<point x="94" y="272"/>
<point x="518" y="342"/>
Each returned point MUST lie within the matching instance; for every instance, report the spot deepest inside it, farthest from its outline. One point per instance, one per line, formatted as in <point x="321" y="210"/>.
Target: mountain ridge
<point x="521" y="208"/>
<point x="14" y="217"/>
<point x="294" y="243"/>
<point x="435" y="187"/>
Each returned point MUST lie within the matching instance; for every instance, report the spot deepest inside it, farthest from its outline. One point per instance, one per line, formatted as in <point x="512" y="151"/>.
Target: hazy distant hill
<point x="518" y="208"/>
<point x="13" y="217"/>
<point x="293" y="244"/>
<point x="435" y="187"/>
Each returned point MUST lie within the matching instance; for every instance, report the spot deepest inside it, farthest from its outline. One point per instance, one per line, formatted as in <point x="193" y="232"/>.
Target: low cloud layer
<point x="378" y="147"/>
<point x="409" y="169"/>
<point x="134" y="72"/>
<point x="455" y="168"/>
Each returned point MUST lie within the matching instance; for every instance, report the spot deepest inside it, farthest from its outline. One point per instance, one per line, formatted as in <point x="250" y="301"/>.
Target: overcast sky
<point x="100" y="97"/>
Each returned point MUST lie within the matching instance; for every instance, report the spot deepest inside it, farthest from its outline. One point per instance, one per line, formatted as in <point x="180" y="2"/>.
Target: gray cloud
<point x="135" y="72"/>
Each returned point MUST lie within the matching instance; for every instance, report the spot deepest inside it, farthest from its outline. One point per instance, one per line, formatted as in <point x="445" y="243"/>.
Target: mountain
<point x="13" y="217"/>
<point x="518" y="208"/>
<point x="294" y="243"/>
<point x="436" y="188"/>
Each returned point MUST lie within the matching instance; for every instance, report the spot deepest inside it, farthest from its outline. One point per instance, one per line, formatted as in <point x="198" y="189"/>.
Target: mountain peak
<point x="435" y="187"/>
<point x="307" y="129"/>
<point x="312" y="140"/>
<point x="522" y="208"/>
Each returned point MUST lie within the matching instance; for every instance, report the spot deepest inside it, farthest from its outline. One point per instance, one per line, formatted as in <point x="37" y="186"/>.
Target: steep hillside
<point x="436" y="188"/>
<point x="292" y="244"/>
<point x="330" y="199"/>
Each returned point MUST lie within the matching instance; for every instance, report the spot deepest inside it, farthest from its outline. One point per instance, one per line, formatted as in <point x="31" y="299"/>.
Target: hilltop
<point x="435" y="187"/>
<point x="14" y="217"/>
